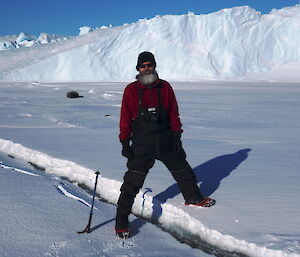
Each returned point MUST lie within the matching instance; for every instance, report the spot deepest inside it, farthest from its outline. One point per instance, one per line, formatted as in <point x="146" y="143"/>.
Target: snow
<point x="5" y="45"/>
<point x="37" y="220"/>
<point x="229" y="44"/>
<point x="239" y="137"/>
<point x="84" y="30"/>
<point x="27" y="40"/>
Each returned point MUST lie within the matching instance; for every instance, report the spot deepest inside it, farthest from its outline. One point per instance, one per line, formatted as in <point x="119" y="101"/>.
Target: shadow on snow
<point x="209" y="176"/>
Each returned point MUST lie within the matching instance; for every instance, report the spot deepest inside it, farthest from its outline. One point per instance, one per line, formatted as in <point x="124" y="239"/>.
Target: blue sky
<point x="66" y="16"/>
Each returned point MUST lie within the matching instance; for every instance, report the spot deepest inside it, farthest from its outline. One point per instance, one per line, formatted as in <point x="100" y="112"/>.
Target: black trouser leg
<point x="186" y="181"/>
<point x="138" y="167"/>
<point x="181" y="171"/>
<point x="133" y="181"/>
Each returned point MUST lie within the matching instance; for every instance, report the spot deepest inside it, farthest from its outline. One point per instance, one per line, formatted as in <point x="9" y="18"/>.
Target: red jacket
<point x="130" y="105"/>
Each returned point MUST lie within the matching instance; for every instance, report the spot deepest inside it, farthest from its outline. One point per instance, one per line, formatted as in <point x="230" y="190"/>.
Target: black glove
<point x="126" y="148"/>
<point x="177" y="144"/>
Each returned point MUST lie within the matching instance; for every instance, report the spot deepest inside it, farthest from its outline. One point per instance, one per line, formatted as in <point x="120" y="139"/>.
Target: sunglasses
<point x="150" y="65"/>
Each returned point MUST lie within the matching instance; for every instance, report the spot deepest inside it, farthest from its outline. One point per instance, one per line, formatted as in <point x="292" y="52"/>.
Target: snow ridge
<point x="18" y="170"/>
<point x="225" y="44"/>
<point x="61" y="189"/>
<point x="171" y="218"/>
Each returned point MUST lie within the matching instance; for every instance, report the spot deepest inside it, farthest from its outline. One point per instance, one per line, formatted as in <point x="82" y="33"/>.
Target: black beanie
<point x="145" y="57"/>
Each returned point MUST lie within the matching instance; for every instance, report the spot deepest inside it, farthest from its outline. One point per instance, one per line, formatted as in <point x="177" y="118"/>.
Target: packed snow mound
<point x="172" y="219"/>
<point x="84" y="30"/>
<point x="287" y="12"/>
<point x="226" y="44"/>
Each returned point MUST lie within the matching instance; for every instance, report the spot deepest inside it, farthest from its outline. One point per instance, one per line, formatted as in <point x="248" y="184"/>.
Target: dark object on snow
<point x="37" y="167"/>
<point x="73" y="94"/>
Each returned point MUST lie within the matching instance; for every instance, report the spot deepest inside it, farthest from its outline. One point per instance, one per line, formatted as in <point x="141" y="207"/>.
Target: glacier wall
<point x="226" y="44"/>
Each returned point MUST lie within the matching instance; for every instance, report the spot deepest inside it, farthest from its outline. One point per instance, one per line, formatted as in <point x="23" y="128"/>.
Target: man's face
<point x="147" y="74"/>
<point x="146" y="68"/>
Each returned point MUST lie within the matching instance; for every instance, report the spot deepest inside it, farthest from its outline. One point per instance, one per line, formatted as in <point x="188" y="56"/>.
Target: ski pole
<point x="88" y="226"/>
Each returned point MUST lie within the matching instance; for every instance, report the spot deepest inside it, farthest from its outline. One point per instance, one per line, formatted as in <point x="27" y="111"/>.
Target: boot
<point x="122" y="227"/>
<point x="206" y="202"/>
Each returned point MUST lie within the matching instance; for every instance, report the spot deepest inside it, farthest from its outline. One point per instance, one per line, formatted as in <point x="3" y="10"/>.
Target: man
<point x="150" y="121"/>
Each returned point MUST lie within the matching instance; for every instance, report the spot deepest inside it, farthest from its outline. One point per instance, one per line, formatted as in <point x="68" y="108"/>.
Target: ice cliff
<point x="226" y="44"/>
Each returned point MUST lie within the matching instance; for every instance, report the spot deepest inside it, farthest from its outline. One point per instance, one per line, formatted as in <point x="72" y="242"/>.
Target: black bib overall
<point x="152" y="139"/>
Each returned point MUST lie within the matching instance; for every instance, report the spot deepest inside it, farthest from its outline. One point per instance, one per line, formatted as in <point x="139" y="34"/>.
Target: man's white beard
<point x="148" y="78"/>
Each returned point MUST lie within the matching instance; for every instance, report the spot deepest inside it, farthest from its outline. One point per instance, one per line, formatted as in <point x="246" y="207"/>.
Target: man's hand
<point x="126" y="149"/>
<point x="177" y="144"/>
